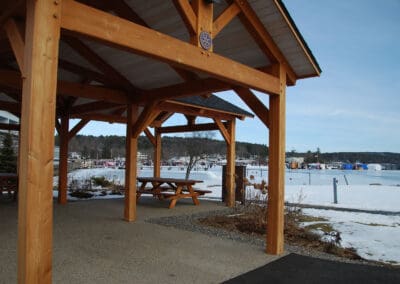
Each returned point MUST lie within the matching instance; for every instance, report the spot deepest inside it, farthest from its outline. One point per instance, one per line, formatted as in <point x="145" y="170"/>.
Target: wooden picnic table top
<point x="168" y="180"/>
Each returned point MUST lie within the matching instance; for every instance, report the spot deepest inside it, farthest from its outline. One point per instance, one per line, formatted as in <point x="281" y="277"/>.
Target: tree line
<point x="108" y="147"/>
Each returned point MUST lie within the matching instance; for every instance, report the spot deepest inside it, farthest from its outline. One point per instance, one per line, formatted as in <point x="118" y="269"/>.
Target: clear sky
<point x="355" y="104"/>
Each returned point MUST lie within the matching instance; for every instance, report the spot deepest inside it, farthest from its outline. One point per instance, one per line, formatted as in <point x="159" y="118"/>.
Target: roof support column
<point x="63" y="166"/>
<point x="230" y="165"/>
<point x="131" y="164"/>
<point x="35" y="208"/>
<point x="276" y="173"/>
<point x="157" y="153"/>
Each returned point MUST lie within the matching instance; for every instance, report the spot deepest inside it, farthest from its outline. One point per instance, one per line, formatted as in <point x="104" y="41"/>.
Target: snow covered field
<point x="374" y="236"/>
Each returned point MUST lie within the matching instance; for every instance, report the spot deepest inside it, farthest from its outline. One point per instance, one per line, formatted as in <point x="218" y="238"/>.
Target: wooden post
<point x="276" y="173"/>
<point x="63" y="166"/>
<point x="230" y="165"/>
<point x="131" y="165"/>
<point x="35" y="206"/>
<point x="204" y="12"/>
<point x="157" y="153"/>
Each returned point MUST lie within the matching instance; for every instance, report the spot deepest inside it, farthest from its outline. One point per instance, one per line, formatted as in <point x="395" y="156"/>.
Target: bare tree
<point x="197" y="147"/>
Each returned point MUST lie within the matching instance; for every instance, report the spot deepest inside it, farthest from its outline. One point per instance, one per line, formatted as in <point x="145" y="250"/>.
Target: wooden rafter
<point x="223" y="130"/>
<point x="148" y="114"/>
<point x="98" y="62"/>
<point x="172" y="106"/>
<point x="190" y="128"/>
<point x="92" y="107"/>
<point x="82" y="71"/>
<point x="161" y="118"/>
<point x="101" y="117"/>
<point x="254" y="104"/>
<point x="256" y="28"/>
<point x="111" y="30"/>
<point x="150" y="136"/>
<point x="225" y="18"/>
<point x="77" y="128"/>
<point x="187" y="14"/>
<point x="191" y="88"/>
<point x="58" y="126"/>
<point x="12" y="79"/>
<point x="16" y="40"/>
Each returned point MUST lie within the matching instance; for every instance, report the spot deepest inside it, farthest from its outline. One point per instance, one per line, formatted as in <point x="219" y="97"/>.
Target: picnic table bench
<point x="170" y="189"/>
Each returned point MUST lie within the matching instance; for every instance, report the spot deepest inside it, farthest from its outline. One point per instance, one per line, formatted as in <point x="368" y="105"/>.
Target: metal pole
<point x="345" y="178"/>
<point x="335" y="190"/>
<point x="309" y="178"/>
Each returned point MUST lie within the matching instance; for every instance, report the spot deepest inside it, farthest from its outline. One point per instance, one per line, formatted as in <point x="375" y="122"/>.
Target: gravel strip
<point x="191" y="223"/>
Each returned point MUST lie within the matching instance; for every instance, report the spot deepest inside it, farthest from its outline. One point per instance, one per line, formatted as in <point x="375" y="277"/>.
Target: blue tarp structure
<point x="347" y="166"/>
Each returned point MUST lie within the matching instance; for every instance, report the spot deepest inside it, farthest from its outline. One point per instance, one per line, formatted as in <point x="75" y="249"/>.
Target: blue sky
<point x="355" y="104"/>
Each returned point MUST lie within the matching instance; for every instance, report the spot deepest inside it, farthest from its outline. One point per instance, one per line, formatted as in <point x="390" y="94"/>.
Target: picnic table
<point x="170" y="188"/>
<point x="9" y="183"/>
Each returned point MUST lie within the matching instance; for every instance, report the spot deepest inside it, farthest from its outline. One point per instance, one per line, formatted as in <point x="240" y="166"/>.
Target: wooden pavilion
<point x="135" y="62"/>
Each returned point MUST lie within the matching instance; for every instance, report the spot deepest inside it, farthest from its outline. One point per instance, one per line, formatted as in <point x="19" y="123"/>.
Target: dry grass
<point x="317" y="236"/>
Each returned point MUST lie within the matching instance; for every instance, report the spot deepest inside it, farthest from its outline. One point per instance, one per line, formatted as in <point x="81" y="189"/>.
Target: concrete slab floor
<point x="92" y="244"/>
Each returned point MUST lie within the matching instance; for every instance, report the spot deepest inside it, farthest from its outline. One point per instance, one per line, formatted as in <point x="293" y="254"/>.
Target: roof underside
<point x="143" y="73"/>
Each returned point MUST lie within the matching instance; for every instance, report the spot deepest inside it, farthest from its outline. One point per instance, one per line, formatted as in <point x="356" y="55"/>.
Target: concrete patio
<point x="93" y="244"/>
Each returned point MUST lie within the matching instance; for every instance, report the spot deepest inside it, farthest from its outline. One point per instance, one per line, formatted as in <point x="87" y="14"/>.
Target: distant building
<point x="8" y="118"/>
<point x="375" y="167"/>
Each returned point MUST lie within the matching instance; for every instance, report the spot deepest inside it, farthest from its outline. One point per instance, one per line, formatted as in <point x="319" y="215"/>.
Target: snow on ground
<point x="369" y="197"/>
<point x="374" y="236"/>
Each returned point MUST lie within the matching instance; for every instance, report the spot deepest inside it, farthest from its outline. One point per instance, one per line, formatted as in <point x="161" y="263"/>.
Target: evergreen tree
<point x="8" y="160"/>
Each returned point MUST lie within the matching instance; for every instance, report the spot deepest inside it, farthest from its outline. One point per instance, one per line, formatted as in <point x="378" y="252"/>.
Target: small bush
<point x="101" y="181"/>
<point x="81" y="194"/>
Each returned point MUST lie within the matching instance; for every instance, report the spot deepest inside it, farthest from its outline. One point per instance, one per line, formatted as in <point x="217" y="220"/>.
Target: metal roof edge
<point x="298" y="33"/>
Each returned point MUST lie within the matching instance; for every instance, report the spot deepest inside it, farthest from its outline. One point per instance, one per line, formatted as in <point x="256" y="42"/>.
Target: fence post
<point x="345" y="178"/>
<point x="335" y="190"/>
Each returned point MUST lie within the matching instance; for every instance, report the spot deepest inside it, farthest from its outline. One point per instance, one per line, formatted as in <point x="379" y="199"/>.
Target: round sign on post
<point x="205" y="40"/>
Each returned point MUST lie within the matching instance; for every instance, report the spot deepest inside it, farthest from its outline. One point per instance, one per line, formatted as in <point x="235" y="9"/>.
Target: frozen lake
<point x="213" y="176"/>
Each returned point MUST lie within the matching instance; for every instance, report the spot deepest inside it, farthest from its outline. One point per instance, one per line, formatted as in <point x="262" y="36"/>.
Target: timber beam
<point x="150" y="136"/>
<point x="16" y="39"/>
<point x="148" y="114"/>
<point x="254" y="104"/>
<point x="100" y="117"/>
<point x="92" y="107"/>
<point x="224" y="131"/>
<point x="225" y="18"/>
<point x="190" y="88"/>
<point x="77" y="128"/>
<point x="187" y="14"/>
<point x="256" y="28"/>
<point x="98" y="62"/>
<point x="190" y="128"/>
<point x="12" y="79"/>
<point x="112" y="30"/>
<point x="173" y="106"/>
